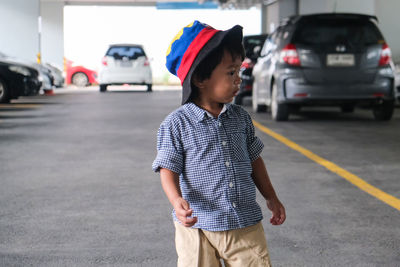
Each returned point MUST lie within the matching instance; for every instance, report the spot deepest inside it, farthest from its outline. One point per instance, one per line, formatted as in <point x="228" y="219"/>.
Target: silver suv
<point x="125" y="64"/>
<point x="325" y="59"/>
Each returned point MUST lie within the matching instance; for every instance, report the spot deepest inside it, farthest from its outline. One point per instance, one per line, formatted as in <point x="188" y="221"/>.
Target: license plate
<point x="340" y="60"/>
<point x="126" y="64"/>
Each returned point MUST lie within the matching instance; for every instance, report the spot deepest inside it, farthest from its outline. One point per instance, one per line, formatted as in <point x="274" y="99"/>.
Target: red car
<point x="79" y="75"/>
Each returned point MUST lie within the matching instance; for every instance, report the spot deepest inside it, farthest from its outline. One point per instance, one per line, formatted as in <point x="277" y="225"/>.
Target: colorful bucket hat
<point x="190" y="46"/>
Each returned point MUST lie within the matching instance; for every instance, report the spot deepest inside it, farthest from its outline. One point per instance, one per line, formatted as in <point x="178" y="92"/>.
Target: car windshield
<point x="333" y="31"/>
<point x="250" y="42"/>
<point x="131" y="52"/>
<point x="253" y="41"/>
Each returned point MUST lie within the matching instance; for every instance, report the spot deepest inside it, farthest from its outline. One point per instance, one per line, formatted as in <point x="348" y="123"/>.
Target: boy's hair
<point x="209" y="63"/>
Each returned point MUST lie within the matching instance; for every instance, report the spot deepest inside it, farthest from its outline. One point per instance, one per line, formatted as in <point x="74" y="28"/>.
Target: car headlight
<point x="19" y="69"/>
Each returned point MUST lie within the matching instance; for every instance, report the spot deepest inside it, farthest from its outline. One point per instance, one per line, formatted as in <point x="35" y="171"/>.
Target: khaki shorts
<point x="240" y="247"/>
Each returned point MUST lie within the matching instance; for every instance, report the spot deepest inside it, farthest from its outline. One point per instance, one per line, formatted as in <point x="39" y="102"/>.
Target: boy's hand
<point x="184" y="213"/>
<point x="278" y="211"/>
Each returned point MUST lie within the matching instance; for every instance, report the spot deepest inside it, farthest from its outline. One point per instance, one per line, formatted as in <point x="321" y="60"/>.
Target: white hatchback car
<point x="125" y="64"/>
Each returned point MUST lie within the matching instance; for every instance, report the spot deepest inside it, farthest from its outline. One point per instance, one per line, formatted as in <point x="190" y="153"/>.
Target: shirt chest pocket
<point x="239" y="146"/>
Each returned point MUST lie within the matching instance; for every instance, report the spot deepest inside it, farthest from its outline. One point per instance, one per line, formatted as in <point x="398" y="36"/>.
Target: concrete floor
<point x="76" y="186"/>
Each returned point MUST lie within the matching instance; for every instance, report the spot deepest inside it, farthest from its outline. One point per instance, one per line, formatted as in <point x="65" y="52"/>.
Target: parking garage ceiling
<point x="240" y="4"/>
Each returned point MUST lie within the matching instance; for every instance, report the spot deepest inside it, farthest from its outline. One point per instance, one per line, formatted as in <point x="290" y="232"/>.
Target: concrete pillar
<point x="264" y="26"/>
<point x="276" y="11"/>
<point x="273" y="17"/>
<point x="387" y="13"/>
<point x="287" y="8"/>
<point x="348" y="6"/>
<point x="52" y="32"/>
<point x="19" y="28"/>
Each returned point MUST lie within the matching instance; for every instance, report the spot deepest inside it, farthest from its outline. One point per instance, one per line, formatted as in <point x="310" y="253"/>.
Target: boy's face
<point x="224" y="82"/>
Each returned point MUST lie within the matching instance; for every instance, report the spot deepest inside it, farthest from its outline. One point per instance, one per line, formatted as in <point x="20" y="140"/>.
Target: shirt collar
<point x="222" y="111"/>
<point x="201" y="114"/>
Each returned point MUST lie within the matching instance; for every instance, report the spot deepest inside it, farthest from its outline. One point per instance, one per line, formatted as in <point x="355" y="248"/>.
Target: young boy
<point x="209" y="158"/>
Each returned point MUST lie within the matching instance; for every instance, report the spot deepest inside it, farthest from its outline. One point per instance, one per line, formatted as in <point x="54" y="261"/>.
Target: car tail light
<point x="386" y="55"/>
<point x="247" y="64"/>
<point x="146" y="62"/>
<point x="104" y="61"/>
<point x="290" y="56"/>
<point x="301" y="95"/>
<point x="248" y="87"/>
<point x="378" y="94"/>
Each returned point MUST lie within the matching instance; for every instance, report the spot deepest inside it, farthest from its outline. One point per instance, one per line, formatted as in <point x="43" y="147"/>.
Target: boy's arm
<point x="170" y="184"/>
<point x="263" y="183"/>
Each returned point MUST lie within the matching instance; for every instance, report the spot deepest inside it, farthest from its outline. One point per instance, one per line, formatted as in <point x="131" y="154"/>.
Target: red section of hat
<point x="194" y="48"/>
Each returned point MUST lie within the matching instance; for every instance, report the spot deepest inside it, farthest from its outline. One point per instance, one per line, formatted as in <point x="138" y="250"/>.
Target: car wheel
<point x="4" y="92"/>
<point x="80" y="79"/>
<point x="279" y="112"/>
<point x="256" y="106"/>
<point x="103" y="87"/>
<point x="347" y="108"/>
<point x="149" y="88"/>
<point x="384" y="111"/>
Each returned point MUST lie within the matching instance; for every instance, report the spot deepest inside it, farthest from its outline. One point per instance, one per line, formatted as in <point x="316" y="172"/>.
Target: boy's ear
<point x="196" y="81"/>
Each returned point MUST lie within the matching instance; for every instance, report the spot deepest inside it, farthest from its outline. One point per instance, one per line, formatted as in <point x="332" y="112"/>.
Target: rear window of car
<point x="131" y="52"/>
<point x="333" y="31"/>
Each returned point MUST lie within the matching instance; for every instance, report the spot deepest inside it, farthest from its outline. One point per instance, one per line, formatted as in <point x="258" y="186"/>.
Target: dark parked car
<point x="252" y="45"/>
<point x="325" y="59"/>
<point x="44" y="72"/>
<point x="17" y="80"/>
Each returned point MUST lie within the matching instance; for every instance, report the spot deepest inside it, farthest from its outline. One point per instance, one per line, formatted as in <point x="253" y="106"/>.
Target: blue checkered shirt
<point x="213" y="159"/>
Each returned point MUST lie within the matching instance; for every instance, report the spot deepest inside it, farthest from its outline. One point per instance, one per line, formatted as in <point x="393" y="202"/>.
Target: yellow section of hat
<point x="177" y="37"/>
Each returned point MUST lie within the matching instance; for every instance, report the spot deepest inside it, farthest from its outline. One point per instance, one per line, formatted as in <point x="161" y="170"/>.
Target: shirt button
<point x="227" y="164"/>
<point x="219" y="124"/>
<point x="234" y="204"/>
<point x="224" y="143"/>
<point x="230" y="184"/>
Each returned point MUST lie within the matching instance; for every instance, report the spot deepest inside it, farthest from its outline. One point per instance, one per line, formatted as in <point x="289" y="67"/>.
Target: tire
<point x="256" y="107"/>
<point x="347" y="108"/>
<point x="149" y="87"/>
<point x="103" y="88"/>
<point x="384" y="111"/>
<point x="5" y="94"/>
<point x="279" y="112"/>
<point x="80" y="79"/>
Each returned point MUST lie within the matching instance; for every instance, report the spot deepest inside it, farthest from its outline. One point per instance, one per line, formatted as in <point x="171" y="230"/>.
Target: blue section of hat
<point x="179" y="46"/>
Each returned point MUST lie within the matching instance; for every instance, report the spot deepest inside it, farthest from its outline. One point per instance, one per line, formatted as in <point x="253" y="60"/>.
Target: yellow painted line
<point x="352" y="178"/>
<point x="17" y="106"/>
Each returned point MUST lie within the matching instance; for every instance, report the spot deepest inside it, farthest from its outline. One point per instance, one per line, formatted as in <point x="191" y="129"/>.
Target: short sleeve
<point x="169" y="148"/>
<point x="254" y="144"/>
